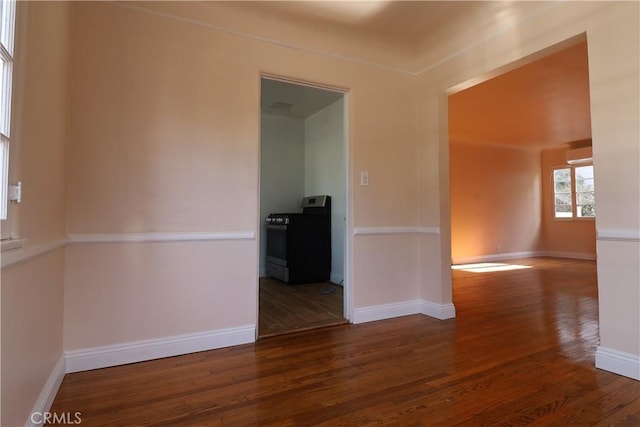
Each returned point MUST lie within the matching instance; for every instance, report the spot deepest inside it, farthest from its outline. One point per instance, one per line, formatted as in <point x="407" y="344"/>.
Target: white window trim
<point x="574" y="194"/>
<point x="7" y="54"/>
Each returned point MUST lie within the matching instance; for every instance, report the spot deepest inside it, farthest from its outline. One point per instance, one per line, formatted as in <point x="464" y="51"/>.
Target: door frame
<point x="347" y="307"/>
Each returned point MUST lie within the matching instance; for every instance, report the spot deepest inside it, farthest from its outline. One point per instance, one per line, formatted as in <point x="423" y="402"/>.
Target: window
<point x="574" y="192"/>
<point x="7" y="25"/>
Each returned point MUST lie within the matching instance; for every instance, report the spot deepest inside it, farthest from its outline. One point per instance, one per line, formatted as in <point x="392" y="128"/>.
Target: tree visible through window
<point x="574" y="192"/>
<point x="562" y="193"/>
<point x="585" y="195"/>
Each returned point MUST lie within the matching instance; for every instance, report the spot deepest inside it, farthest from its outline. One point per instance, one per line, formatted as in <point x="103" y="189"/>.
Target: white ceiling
<point x="541" y="104"/>
<point x="294" y="100"/>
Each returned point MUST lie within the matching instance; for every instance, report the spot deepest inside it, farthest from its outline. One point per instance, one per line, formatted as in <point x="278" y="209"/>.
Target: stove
<point x="299" y="244"/>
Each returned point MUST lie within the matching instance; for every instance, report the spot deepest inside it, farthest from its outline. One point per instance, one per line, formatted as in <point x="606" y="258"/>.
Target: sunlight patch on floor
<point x="488" y="267"/>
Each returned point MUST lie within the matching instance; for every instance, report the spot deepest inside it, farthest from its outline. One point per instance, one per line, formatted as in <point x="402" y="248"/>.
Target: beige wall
<point x="612" y="35"/>
<point x="32" y="292"/>
<point x="575" y="237"/>
<point x="118" y="293"/>
<point x="495" y="201"/>
<point x="32" y="305"/>
<point x="166" y="139"/>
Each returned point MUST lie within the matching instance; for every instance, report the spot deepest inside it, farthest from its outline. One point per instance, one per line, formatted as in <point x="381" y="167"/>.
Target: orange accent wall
<point x="495" y="201"/>
<point x="563" y="236"/>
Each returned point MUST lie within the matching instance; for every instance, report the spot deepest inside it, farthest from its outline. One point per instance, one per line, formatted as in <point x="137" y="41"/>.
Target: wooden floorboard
<point x="520" y="352"/>
<point x="293" y="308"/>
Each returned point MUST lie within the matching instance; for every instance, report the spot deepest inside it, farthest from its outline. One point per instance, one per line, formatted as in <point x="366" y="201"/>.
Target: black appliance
<point x="299" y="244"/>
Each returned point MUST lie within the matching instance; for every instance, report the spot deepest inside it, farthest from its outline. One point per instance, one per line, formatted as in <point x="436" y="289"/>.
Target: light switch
<point x="15" y="192"/>
<point x="364" y="178"/>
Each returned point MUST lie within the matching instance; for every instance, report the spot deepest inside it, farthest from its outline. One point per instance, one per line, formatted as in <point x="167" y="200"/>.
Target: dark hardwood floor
<point x="290" y="308"/>
<point x="520" y="352"/>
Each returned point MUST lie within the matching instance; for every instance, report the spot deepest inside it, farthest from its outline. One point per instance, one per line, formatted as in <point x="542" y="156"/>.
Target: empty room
<point x="137" y="182"/>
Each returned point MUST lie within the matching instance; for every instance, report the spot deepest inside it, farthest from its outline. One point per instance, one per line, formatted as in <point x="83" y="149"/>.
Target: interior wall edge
<point x="48" y="393"/>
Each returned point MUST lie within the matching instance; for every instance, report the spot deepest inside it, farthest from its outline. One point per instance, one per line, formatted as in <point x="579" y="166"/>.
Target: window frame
<point x="7" y="56"/>
<point x="574" y="193"/>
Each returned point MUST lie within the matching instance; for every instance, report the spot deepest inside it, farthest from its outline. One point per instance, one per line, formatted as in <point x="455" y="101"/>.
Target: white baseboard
<point x="439" y="311"/>
<point x="138" y="351"/>
<point x="618" y="362"/>
<point x="385" y="311"/>
<point x="496" y="257"/>
<point x="405" y="308"/>
<point x="518" y="255"/>
<point x="570" y="255"/>
<point x="48" y="393"/>
<point x="336" y="278"/>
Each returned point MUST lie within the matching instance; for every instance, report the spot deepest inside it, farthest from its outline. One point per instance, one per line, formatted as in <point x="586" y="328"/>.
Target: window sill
<point x="12" y="244"/>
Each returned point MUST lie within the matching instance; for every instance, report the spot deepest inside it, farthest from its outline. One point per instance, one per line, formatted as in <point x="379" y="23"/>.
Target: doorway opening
<point x="521" y="179"/>
<point x="303" y="207"/>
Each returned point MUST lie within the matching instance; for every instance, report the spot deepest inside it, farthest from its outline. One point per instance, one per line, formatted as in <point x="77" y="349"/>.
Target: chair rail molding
<point x="200" y="236"/>
<point x="380" y="231"/>
<point x="618" y="234"/>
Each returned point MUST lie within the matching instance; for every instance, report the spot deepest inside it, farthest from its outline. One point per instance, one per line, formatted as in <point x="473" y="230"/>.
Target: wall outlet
<point x="364" y="178"/>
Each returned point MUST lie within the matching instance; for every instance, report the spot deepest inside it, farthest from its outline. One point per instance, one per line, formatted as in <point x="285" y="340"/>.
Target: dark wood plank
<point x="520" y="352"/>
<point x="292" y="308"/>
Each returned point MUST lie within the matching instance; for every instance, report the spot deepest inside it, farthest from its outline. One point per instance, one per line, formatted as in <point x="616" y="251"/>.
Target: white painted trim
<point x="138" y="351"/>
<point x="385" y="311"/>
<point x="160" y="237"/>
<point x="618" y="235"/>
<point x="497" y="257"/>
<point x="12" y="244"/>
<point x="570" y="255"/>
<point x="488" y="37"/>
<point x="618" y="362"/>
<point x="263" y="39"/>
<point x="518" y="255"/>
<point x="439" y="311"/>
<point x="23" y="254"/>
<point x="28" y="252"/>
<point x="484" y="39"/>
<point x="379" y="231"/>
<point x="404" y="308"/>
<point x="48" y="392"/>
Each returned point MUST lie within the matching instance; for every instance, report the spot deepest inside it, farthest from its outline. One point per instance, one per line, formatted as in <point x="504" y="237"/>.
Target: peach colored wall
<point x="495" y="201"/>
<point x="612" y="31"/>
<point x="157" y="290"/>
<point x="32" y="310"/>
<point x="38" y="154"/>
<point x="576" y="237"/>
<point x="165" y="118"/>
<point x="389" y="261"/>
<point x="32" y="292"/>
